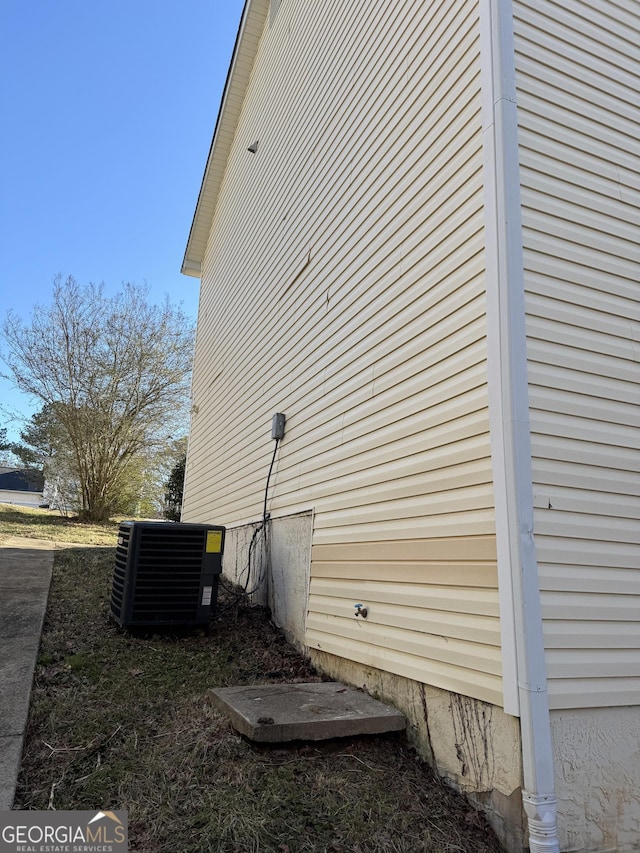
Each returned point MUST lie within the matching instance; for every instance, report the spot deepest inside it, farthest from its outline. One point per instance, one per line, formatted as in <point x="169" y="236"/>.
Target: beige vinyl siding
<point x="432" y="610"/>
<point x="343" y="284"/>
<point x="578" y="78"/>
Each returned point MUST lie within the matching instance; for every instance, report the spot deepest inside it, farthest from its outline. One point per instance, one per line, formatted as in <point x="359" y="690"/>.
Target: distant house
<point x="20" y="487"/>
<point x="418" y="236"/>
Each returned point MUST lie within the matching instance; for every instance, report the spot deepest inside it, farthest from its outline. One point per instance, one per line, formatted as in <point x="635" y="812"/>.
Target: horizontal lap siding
<point x="344" y="285"/>
<point x="432" y="609"/>
<point x="578" y="77"/>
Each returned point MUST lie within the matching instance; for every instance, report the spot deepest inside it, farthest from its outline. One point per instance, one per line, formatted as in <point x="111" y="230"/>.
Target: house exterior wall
<point x="10" y="496"/>
<point x="597" y="778"/>
<point x="343" y="284"/>
<point x="279" y="575"/>
<point x="578" y="77"/>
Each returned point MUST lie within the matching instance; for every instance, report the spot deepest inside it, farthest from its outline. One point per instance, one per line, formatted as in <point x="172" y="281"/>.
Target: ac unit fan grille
<point x="120" y="571"/>
<point x="168" y="575"/>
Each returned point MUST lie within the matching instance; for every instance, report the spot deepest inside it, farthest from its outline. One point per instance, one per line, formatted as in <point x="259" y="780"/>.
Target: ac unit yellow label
<point x="214" y="541"/>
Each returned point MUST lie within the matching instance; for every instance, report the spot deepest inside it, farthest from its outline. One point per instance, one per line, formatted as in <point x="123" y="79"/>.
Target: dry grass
<point x="48" y="524"/>
<point x="121" y="720"/>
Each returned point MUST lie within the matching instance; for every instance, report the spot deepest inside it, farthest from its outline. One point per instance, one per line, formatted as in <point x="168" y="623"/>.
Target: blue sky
<point x="108" y="109"/>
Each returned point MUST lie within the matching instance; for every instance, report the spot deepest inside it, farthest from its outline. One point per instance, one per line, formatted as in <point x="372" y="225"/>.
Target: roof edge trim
<point x="244" y="53"/>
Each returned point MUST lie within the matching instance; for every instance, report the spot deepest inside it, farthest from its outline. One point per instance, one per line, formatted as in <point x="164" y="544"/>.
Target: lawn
<point x="47" y="524"/>
<point x="121" y="720"/>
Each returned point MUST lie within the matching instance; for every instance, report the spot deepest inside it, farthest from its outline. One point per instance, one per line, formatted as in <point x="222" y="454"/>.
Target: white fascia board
<point x="244" y="53"/>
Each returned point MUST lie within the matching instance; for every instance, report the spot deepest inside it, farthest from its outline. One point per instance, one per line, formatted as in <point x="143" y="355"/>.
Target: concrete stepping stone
<point x="276" y="713"/>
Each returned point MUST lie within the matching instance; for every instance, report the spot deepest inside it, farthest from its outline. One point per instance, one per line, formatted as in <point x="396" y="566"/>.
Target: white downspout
<point x="523" y="643"/>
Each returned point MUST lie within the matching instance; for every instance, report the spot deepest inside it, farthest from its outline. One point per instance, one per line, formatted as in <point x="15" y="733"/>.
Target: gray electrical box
<point x="277" y="426"/>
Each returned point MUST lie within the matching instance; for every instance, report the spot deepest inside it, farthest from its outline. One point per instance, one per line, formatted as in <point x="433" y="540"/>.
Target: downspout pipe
<point x="523" y="641"/>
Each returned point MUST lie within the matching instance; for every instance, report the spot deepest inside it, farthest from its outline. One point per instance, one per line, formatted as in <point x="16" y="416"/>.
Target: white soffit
<point x="244" y="52"/>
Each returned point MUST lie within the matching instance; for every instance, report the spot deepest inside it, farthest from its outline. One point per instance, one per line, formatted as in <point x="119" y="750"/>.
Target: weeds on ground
<point x="122" y="720"/>
<point x="48" y="524"/>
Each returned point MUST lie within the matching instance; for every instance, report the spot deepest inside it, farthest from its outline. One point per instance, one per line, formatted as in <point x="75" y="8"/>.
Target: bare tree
<point x="113" y="372"/>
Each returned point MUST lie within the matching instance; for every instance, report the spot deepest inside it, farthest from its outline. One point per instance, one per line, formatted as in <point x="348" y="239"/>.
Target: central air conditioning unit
<point x="166" y="573"/>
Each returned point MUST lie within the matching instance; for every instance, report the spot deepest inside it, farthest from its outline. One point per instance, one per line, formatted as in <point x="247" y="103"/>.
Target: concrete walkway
<point x="25" y="576"/>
